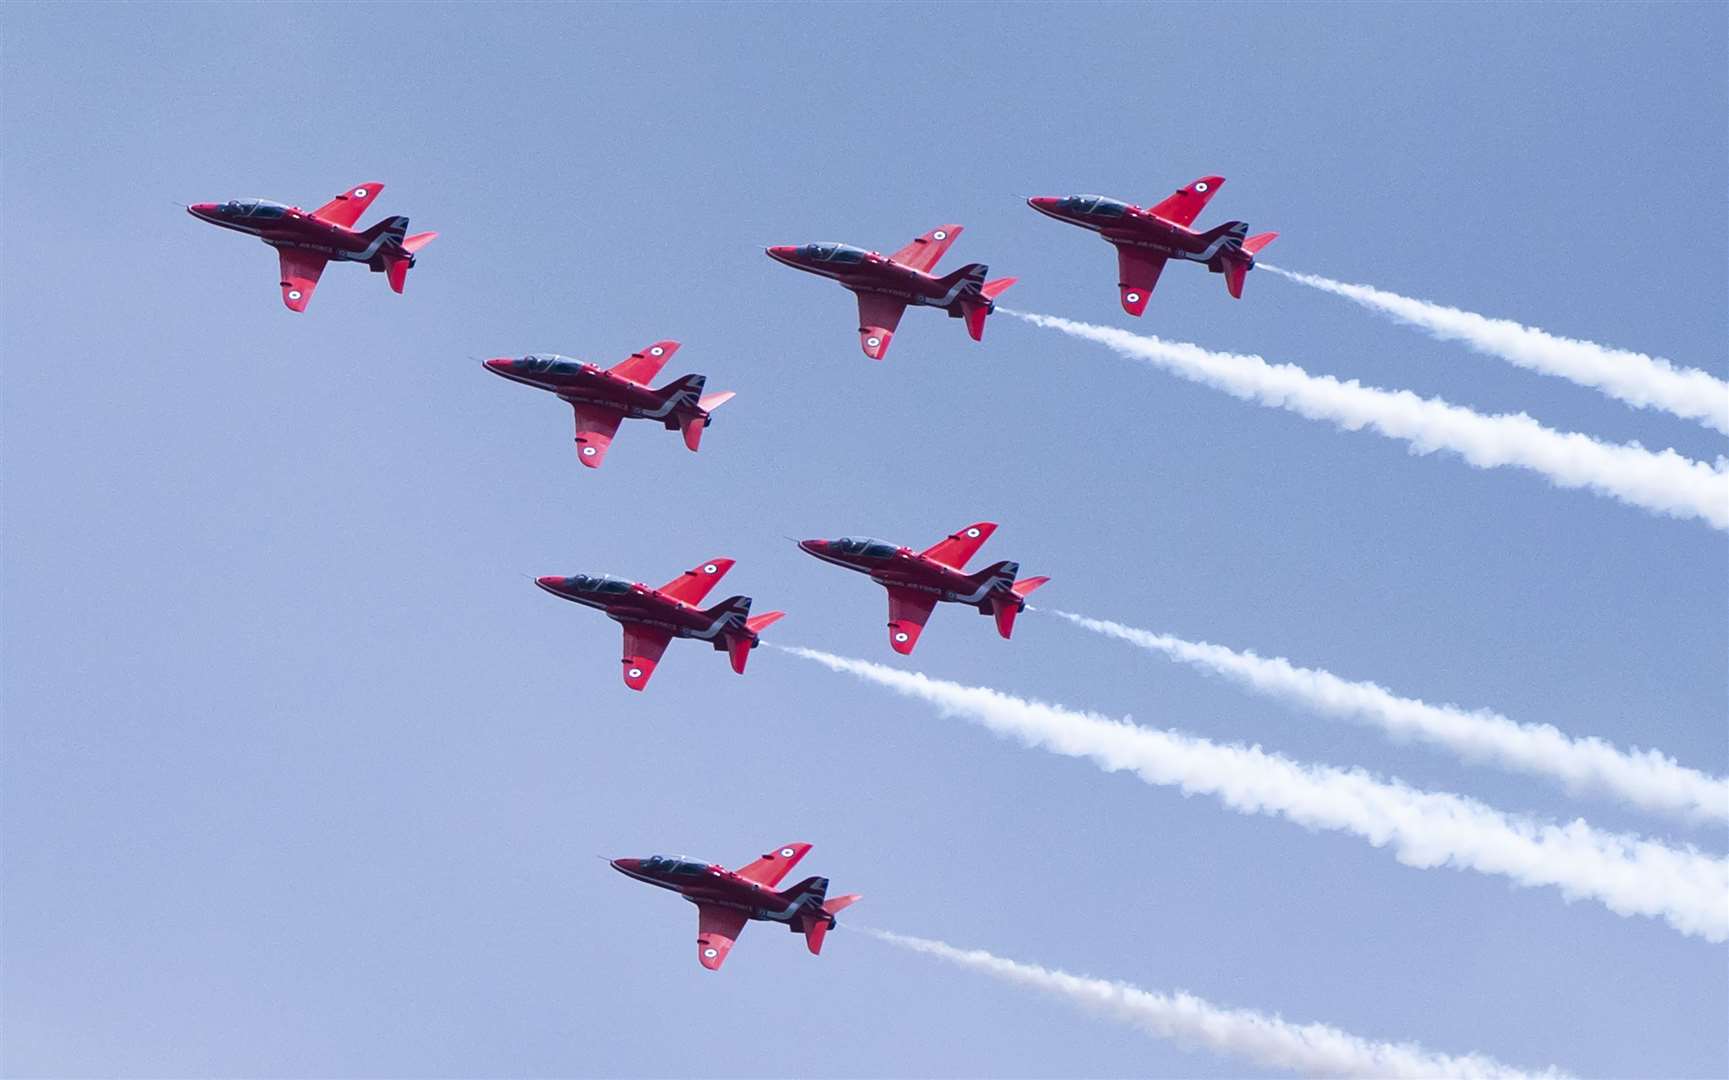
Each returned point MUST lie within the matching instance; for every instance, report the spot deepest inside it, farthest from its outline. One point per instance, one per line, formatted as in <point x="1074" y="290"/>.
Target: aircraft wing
<point x="908" y="611"/>
<point x="644" y="364"/>
<point x="1137" y="273"/>
<point x="643" y="646"/>
<point x="694" y="584"/>
<point x="957" y="548"/>
<point x="878" y="316"/>
<point x="927" y="250"/>
<point x="300" y="270"/>
<point x="595" y="428"/>
<point x="346" y="208"/>
<point x="716" y="929"/>
<point x="771" y="868"/>
<point x="1186" y="204"/>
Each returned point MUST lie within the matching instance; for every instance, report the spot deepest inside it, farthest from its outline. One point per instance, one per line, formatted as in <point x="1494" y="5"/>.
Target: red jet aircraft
<point x="886" y="286"/>
<point x="726" y="899"/>
<point x="603" y="398"/>
<point x="917" y="580"/>
<point x="653" y="617"/>
<point x="1144" y="239"/>
<point x="305" y="242"/>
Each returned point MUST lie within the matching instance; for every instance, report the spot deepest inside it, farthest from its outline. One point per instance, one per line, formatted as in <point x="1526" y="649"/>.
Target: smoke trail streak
<point x="1627" y="874"/>
<point x="1664" y="482"/>
<point x="1645" y="382"/>
<point x="1643" y="778"/>
<point x="1312" y="1049"/>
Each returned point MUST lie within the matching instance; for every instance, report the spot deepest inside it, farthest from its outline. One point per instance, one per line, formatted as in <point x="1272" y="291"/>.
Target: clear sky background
<point x="302" y="775"/>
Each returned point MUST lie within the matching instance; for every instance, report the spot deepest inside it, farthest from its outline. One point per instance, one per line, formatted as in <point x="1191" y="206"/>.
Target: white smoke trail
<point x="1646" y="382"/>
<point x="1311" y="1049"/>
<point x="1664" y="482"/>
<point x="1627" y="874"/>
<point x="1643" y="778"/>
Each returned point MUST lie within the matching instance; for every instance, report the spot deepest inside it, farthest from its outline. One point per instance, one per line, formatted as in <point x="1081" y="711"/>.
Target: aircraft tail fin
<point x="1255" y="243"/>
<point x="1230" y="230"/>
<point x="738" y="646"/>
<point x="994" y="289"/>
<point x="972" y="273"/>
<point x="1005" y="608"/>
<point x="1001" y="574"/>
<point x="692" y="422"/>
<point x="1235" y="271"/>
<point x="819" y="923"/>
<point x="680" y="393"/>
<point x="839" y="903"/>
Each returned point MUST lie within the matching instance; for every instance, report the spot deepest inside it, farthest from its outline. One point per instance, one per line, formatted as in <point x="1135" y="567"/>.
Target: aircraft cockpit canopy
<point x="865" y="546"/>
<point x="838" y="253"/>
<point x="677" y="865"/>
<point x="1097" y="205"/>
<point x="255" y="208"/>
<point x="599" y="583"/>
<point x="549" y="362"/>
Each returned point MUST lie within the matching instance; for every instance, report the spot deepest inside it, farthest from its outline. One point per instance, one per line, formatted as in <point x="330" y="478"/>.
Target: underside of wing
<point x="595" y="428"/>
<point x="346" y="208"/>
<point x="878" y="316"/>
<point x="1185" y="205"/>
<point x="300" y="270"/>
<point x="691" y="586"/>
<point x="927" y="250"/>
<point x="644" y="364"/>
<point x="643" y="646"/>
<point x="771" y="868"/>
<point x="956" y="548"/>
<point x="716" y="929"/>
<point x="1137" y="273"/>
<point x="909" y="610"/>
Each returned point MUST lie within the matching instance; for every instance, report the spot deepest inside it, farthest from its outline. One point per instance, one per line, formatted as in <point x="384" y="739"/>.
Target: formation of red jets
<point x="602" y="398"/>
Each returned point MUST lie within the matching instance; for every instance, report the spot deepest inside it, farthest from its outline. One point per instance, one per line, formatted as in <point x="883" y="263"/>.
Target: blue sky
<point x="302" y="776"/>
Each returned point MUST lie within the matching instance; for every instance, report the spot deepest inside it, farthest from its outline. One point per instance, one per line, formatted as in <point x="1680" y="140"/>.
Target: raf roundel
<point x="973" y="533"/>
<point x="636" y="673"/>
<point x="1201" y="185"/>
<point x="294" y="294"/>
<point x="901" y="635"/>
<point x="588" y="451"/>
<point x="786" y="853"/>
<point x="873" y="342"/>
<point x="710" y="568"/>
<point x="711" y="953"/>
<point x="656" y="351"/>
<point x="940" y="234"/>
<point x="1132" y="298"/>
<point x="360" y="193"/>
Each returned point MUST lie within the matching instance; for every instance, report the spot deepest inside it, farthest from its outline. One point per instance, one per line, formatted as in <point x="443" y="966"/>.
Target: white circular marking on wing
<point x="873" y="342"/>
<point x="360" y="193"/>
<point x="973" y="533"/>
<point x="940" y="234"/>
<point x="1201" y="186"/>
<point x="786" y="853"/>
<point x="656" y="351"/>
<point x="1133" y="298"/>
<point x="711" y="569"/>
<point x="901" y="635"/>
<point x="294" y="294"/>
<point x="588" y="451"/>
<point x="711" y="953"/>
<point x="635" y="673"/>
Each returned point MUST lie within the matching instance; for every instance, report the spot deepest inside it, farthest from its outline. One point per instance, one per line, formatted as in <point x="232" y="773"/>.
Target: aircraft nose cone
<point x="550" y="582"/>
<point x="1044" y="204"/>
<point x="627" y="866"/>
<point x="202" y="209"/>
<point x="498" y="363"/>
<point x="782" y="252"/>
<point x="813" y="546"/>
